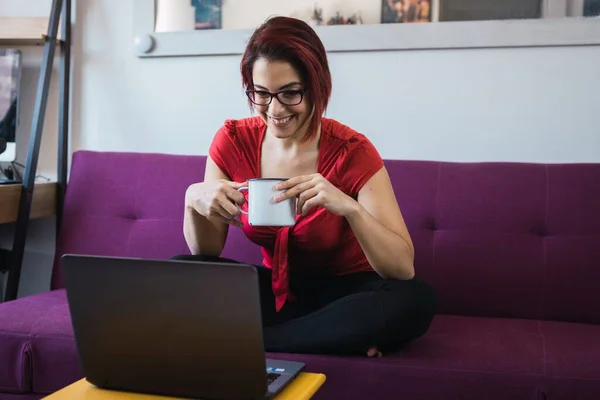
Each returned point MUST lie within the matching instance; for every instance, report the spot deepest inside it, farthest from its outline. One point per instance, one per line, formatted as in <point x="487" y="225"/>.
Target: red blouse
<point x="320" y="242"/>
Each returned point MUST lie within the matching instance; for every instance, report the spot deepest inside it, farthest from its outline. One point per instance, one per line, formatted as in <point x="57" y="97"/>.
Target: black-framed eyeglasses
<point x="286" y="97"/>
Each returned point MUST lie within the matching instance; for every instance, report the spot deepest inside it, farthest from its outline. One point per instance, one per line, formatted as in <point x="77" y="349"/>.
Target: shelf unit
<point x="29" y="199"/>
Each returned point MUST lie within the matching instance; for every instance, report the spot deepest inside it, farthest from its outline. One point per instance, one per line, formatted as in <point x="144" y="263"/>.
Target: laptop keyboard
<point x="271" y="376"/>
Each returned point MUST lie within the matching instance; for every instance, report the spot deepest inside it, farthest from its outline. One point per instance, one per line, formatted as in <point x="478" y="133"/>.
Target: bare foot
<point x="374" y="352"/>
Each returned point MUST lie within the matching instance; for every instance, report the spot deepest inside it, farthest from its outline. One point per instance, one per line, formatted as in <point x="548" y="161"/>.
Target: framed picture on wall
<point x="405" y="11"/>
<point x="208" y="13"/>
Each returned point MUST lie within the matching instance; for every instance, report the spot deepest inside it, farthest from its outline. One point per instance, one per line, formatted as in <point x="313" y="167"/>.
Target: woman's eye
<point x="290" y="93"/>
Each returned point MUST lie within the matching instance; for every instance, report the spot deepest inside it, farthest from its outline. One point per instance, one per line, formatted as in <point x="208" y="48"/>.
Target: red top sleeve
<point x="224" y="149"/>
<point x="361" y="162"/>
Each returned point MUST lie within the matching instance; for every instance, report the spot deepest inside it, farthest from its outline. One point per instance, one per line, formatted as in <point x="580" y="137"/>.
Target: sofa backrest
<point x="494" y="239"/>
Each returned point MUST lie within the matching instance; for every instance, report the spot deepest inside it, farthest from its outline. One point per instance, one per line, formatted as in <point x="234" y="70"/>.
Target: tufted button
<point x="432" y="225"/>
<point x="130" y="216"/>
<point x="539" y="230"/>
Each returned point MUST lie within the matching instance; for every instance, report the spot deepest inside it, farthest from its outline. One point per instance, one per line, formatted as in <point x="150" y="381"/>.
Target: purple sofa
<point x="512" y="249"/>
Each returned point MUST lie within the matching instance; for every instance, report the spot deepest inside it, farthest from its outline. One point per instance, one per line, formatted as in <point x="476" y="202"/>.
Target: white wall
<point x="536" y="104"/>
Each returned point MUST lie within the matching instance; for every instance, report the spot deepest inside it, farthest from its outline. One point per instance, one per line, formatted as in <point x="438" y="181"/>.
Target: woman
<point x="341" y="279"/>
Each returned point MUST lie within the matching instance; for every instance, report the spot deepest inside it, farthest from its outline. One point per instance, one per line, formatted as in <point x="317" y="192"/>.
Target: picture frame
<point x="208" y="14"/>
<point x="591" y="8"/>
<point x="405" y="11"/>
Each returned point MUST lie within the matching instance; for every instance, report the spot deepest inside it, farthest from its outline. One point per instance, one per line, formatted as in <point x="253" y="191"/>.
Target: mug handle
<point x="239" y="208"/>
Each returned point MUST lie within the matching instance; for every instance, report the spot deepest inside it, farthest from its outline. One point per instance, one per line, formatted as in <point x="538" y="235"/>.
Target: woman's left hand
<point x="314" y="190"/>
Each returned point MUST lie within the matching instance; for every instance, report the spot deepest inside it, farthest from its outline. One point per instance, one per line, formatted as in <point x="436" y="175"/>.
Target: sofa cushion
<point x="17" y="320"/>
<point x="501" y="239"/>
<point x="466" y="357"/>
<point x="37" y="340"/>
<point x="53" y="350"/>
<point x="15" y="369"/>
<point x="572" y="354"/>
<point x="479" y="344"/>
<point x="473" y="358"/>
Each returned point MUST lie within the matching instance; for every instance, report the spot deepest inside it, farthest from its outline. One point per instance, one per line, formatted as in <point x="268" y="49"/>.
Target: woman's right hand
<point x="216" y="200"/>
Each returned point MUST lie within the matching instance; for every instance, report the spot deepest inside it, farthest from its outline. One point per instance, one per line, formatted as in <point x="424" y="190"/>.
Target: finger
<point x="293" y="182"/>
<point x="221" y="214"/>
<point x="226" y="204"/>
<point x="305" y="196"/>
<point x="229" y="221"/>
<point x="234" y="195"/>
<point x="218" y="209"/>
<point x="237" y="185"/>
<point x="312" y="202"/>
<point x="295" y="191"/>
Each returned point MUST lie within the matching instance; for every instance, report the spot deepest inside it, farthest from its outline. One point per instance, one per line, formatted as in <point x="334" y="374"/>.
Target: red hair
<point x="294" y="41"/>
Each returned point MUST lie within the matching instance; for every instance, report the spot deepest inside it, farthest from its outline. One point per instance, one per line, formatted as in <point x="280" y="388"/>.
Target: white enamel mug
<point x="262" y="210"/>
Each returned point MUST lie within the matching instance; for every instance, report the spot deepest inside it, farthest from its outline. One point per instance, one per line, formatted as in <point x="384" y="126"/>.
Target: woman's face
<point x="287" y="114"/>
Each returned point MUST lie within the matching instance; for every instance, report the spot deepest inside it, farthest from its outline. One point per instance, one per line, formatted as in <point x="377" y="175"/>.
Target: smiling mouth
<point x="281" y="121"/>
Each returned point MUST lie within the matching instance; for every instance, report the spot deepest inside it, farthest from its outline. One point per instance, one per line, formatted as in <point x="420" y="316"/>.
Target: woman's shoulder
<point x="352" y="155"/>
<point x="244" y="127"/>
<point x="236" y="141"/>
<point x="344" y="137"/>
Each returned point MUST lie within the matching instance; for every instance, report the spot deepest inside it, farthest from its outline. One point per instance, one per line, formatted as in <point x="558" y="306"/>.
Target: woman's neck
<point x="293" y="144"/>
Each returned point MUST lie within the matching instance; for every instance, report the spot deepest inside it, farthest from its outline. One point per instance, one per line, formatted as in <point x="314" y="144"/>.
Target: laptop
<point x="171" y="327"/>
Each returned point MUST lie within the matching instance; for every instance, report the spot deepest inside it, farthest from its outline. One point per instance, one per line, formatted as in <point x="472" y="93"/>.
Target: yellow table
<point x="302" y="388"/>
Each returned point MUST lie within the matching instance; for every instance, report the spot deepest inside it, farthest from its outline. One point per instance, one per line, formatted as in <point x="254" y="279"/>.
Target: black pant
<point x="342" y="314"/>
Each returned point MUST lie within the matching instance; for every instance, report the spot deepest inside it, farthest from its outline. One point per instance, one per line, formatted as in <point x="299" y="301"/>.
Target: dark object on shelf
<point x="8" y="124"/>
<point x="489" y="10"/>
<point x="338" y="19"/>
<point x="5" y="260"/>
<point x="591" y="8"/>
<point x="317" y="16"/>
<point x="9" y="176"/>
<point x="356" y="19"/>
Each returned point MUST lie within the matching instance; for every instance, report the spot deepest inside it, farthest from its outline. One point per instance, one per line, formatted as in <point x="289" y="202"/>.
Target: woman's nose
<point x="276" y="108"/>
